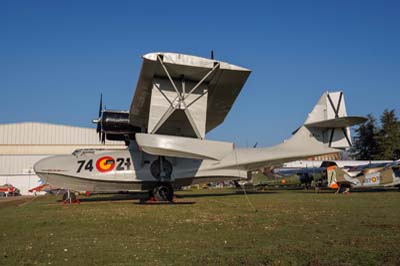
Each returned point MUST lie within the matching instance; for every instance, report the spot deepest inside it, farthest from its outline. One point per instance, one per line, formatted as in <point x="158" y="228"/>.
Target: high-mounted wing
<point x="184" y="95"/>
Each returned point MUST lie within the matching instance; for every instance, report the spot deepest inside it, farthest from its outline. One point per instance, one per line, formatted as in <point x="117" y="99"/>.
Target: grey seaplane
<point x="178" y="99"/>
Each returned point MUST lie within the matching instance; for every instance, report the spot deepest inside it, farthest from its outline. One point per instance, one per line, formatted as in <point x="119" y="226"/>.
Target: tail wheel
<point x="343" y="189"/>
<point x="163" y="192"/>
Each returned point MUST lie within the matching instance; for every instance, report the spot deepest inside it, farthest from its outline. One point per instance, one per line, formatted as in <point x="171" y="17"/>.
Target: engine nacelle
<point x="115" y="125"/>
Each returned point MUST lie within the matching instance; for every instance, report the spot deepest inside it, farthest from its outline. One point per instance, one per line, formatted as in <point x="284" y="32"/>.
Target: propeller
<point x="98" y="121"/>
<point x="98" y="129"/>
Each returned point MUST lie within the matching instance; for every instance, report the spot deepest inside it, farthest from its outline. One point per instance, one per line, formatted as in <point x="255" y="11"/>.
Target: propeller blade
<point x="101" y="104"/>
<point x="103" y="138"/>
<point x="98" y="129"/>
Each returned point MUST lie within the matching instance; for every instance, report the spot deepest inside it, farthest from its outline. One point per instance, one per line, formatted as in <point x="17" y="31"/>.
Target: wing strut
<point x="182" y="100"/>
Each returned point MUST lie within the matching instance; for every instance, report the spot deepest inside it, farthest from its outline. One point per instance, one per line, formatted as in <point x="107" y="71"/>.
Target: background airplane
<point x="307" y="172"/>
<point x="388" y="176"/>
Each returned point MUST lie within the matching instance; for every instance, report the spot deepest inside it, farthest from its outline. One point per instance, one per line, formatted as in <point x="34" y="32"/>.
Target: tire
<point x="71" y="198"/>
<point x="163" y="193"/>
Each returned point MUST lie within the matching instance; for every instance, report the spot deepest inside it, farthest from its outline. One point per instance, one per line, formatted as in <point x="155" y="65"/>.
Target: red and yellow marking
<point x="330" y="168"/>
<point x="334" y="185"/>
<point x="373" y="179"/>
<point x="105" y="164"/>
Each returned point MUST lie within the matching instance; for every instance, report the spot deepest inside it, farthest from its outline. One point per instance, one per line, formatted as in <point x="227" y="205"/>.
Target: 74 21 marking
<point x="104" y="164"/>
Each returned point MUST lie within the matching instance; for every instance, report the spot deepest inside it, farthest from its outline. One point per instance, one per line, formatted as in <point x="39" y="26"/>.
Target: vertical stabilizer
<point x="334" y="176"/>
<point x="331" y="105"/>
<point x="328" y="121"/>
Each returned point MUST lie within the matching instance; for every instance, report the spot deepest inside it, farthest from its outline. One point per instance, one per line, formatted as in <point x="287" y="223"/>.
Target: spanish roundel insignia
<point x="105" y="164"/>
<point x="374" y="179"/>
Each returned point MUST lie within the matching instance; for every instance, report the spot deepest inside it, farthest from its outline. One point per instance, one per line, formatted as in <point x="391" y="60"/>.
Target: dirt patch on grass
<point x="14" y="201"/>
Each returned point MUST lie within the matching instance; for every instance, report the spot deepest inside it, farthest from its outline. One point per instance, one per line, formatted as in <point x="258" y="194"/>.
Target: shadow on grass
<point x="141" y="197"/>
<point x="224" y="194"/>
<point x="111" y="197"/>
<point x="361" y="190"/>
<point x="165" y="203"/>
<point x="353" y="190"/>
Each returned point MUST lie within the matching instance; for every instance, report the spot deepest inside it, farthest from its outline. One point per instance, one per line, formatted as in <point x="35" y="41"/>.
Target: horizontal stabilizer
<point x="339" y="122"/>
<point x="183" y="147"/>
<point x="329" y="123"/>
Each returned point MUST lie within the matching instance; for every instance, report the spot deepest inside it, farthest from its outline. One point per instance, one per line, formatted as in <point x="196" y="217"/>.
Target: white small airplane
<point x="307" y="171"/>
<point x="387" y="175"/>
<point x="178" y="99"/>
<point x="352" y="167"/>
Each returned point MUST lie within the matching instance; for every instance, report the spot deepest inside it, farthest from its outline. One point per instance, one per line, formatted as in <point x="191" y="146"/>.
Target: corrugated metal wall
<point x="23" y="144"/>
<point x="31" y="133"/>
<point x="17" y="170"/>
<point x="18" y="164"/>
<point x="47" y="139"/>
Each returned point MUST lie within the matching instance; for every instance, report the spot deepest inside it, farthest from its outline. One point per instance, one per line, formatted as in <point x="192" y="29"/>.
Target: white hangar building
<point x="23" y="144"/>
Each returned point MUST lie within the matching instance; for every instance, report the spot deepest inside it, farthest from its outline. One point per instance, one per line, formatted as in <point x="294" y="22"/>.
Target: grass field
<point x="210" y="227"/>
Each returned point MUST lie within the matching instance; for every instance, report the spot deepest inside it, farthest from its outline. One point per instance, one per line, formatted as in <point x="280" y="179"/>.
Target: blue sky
<point x="56" y="57"/>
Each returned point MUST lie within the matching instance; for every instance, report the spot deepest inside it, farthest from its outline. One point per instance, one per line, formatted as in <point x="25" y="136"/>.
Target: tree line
<point x="377" y="141"/>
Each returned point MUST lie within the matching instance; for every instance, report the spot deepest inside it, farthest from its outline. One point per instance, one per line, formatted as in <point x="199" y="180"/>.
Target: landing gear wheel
<point x="69" y="197"/>
<point x="343" y="190"/>
<point x="163" y="192"/>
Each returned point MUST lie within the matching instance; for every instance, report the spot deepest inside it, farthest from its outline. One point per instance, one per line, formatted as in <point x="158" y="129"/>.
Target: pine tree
<point x="365" y="146"/>
<point x="389" y="137"/>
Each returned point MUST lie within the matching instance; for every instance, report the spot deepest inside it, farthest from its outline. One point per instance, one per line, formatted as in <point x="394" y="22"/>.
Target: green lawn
<point x="289" y="228"/>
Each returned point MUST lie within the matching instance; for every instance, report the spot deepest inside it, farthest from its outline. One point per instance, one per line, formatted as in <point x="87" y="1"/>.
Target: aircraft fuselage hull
<point x="128" y="170"/>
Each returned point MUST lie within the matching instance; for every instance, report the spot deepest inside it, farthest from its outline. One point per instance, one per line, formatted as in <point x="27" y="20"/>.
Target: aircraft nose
<point x="53" y="169"/>
<point x="40" y="166"/>
<point x="50" y="164"/>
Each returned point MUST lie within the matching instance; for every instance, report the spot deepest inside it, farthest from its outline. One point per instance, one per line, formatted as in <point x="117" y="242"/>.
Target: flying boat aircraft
<point x="178" y="99"/>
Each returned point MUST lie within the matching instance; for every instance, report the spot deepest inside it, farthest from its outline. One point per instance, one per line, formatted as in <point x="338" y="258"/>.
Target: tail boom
<point x="325" y="131"/>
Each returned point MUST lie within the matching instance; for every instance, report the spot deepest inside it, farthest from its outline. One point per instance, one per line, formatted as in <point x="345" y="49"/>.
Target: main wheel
<point x="69" y="196"/>
<point x="164" y="192"/>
